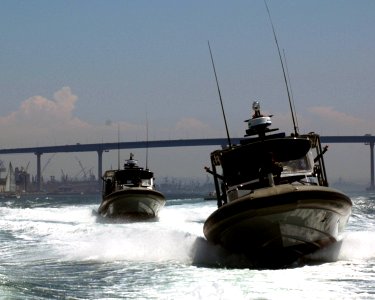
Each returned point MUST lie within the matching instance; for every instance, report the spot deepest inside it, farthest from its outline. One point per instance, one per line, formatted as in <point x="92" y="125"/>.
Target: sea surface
<point x="55" y="248"/>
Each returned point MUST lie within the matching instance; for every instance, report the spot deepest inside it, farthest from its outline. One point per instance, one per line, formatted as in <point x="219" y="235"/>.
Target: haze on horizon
<point x="76" y="71"/>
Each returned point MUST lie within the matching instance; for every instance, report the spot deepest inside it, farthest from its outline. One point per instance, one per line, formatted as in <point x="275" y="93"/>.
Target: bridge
<point x="104" y="147"/>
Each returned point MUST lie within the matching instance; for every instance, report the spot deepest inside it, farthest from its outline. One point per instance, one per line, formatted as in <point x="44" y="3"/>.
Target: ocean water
<point x="55" y="248"/>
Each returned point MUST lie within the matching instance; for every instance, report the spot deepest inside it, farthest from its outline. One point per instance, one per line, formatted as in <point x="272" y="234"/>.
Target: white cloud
<point x="329" y="113"/>
<point x="190" y="124"/>
<point x="190" y="127"/>
<point x="40" y="121"/>
<point x="332" y="121"/>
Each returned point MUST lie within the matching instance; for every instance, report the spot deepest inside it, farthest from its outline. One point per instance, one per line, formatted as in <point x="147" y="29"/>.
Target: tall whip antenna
<point x="221" y="100"/>
<point x="290" y="88"/>
<point x="282" y="66"/>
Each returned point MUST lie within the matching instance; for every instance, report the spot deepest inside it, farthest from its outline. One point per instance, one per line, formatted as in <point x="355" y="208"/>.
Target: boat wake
<point x="73" y="233"/>
<point x="358" y="245"/>
<point x="130" y="243"/>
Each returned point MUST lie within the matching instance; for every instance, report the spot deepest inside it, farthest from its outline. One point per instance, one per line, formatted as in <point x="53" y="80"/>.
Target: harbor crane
<point x="83" y="170"/>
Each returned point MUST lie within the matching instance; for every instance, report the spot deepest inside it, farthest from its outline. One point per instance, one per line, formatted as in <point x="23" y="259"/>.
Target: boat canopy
<point x="122" y="176"/>
<point x="241" y="164"/>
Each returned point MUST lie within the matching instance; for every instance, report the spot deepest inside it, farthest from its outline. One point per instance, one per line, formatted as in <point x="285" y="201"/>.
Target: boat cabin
<point x="267" y="160"/>
<point x="132" y="176"/>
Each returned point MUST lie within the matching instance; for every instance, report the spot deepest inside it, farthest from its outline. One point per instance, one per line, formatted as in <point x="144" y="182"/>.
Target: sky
<point x="76" y="71"/>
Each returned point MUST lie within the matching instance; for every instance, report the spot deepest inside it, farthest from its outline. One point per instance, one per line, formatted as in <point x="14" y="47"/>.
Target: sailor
<point x="269" y="168"/>
<point x="108" y="186"/>
<point x="137" y="182"/>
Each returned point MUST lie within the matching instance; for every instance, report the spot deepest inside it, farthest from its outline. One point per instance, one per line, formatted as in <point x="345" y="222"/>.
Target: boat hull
<point x="276" y="226"/>
<point x="135" y="203"/>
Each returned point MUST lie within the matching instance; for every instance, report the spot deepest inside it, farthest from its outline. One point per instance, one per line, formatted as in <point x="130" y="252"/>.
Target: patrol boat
<point x="274" y="202"/>
<point x="130" y="193"/>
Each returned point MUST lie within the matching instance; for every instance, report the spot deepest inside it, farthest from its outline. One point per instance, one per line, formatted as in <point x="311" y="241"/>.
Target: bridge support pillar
<point x="372" y="187"/>
<point x="38" y="172"/>
<point x="100" y="164"/>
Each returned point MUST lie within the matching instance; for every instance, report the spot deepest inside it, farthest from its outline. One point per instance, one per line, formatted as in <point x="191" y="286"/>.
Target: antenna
<point x="221" y="100"/>
<point x="290" y="87"/>
<point x="146" y="140"/>
<point x="282" y="66"/>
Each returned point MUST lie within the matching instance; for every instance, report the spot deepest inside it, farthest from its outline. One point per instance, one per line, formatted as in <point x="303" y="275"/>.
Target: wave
<point x="73" y="233"/>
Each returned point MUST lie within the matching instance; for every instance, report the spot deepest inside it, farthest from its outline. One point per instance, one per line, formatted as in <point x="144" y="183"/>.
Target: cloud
<point x="328" y="113"/>
<point x="189" y="127"/>
<point x="40" y="121"/>
<point x="39" y="111"/>
<point x="191" y="124"/>
<point x="332" y="121"/>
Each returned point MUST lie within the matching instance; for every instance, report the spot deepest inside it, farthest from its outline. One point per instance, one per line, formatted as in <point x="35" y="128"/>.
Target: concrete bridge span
<point x="102" y="147"/>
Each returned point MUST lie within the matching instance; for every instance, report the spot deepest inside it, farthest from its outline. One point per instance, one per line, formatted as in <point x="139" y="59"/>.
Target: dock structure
<point x="99" y="148"/>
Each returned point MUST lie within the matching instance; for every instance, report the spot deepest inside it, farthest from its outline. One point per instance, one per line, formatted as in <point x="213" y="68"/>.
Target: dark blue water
<point x="55" y="248"/>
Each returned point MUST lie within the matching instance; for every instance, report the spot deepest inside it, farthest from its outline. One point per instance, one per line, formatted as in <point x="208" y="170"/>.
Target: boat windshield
<point x="302" y="166"/>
